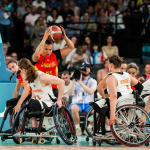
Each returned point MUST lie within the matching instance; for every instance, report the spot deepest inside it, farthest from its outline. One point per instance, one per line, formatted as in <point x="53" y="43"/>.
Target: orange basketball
<point x="55" y="33"/>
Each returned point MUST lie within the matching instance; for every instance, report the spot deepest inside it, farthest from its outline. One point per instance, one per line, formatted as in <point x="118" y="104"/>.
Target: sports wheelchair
<point x="57" y="123"/>
<point x="129" y="130"/>
<point x="7" y="134"/>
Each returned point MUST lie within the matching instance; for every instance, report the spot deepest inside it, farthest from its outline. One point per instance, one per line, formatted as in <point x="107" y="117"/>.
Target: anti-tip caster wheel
<point x="57" y="141"/>
<point x="87" y="139"/>
<point x="34" y="141"/>
<point x="3" y="138"/>
<point x="147" y="144"/>
<point x="42" y="140"/>
<point x="94" y="143"/>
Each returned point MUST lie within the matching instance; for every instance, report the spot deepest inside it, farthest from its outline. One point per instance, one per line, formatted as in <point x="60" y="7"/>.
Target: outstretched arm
<point x="66" y="50"/>
<point x="24" y="94"/>
<point x="39" y="49"/>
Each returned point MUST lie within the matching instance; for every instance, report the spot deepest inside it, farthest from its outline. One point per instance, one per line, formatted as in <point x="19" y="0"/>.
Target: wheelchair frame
<point x="53" y="132"/>
<point x="112" y="137"/>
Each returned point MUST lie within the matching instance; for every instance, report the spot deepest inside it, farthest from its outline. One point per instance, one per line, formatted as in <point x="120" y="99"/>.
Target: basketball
<point x="55" y="33"/>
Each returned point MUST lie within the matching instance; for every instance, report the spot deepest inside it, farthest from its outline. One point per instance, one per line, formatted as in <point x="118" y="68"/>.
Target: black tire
<point x="86" y="123"/>
<point x="64" y="124"/>
<point x="17" y="127"/>
<point x="129" y="130"/>
<point x="94" y="143"/>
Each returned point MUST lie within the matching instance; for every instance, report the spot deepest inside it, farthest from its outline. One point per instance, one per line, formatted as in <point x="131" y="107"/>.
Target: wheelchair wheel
<point x="89" y="120"/>
<point x="17" y="126"/>
<point x="130" y="130"/>
<point x="64" y="124"/>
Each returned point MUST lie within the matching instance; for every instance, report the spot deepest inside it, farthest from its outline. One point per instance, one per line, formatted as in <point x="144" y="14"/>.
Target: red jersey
<point x="21" y="83"/>
<point x="48" y="64"/>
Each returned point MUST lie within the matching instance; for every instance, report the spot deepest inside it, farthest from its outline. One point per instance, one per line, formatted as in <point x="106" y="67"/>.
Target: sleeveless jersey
<point x="124" y="86"/>
<point x="48" y="65"/>
<point x="44" y="94"/>
<point x="19" y="77"/>
<point x="146" y="85"/>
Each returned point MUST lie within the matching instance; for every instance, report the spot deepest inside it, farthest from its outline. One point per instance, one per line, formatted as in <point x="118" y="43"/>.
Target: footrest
<point x="29" y="135"/>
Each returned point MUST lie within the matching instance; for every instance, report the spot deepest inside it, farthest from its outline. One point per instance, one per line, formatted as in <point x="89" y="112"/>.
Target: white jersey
<point x="124" y="86"/>
<point x="44" y="94"/>
<point x="146" y="90"/>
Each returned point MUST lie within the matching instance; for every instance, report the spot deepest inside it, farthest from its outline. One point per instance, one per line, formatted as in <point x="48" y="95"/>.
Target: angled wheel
<point x="131" y="129"/>
<point x="64" y="124"/>
<point x="89" y="120"/>
<point x="17" y="126"/>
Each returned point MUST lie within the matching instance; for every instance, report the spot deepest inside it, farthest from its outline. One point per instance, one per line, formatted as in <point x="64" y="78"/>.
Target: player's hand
<point x="63" y="32"/>
<point x="17" y="108"/>
<point x="113" y="119"/>
<point x="47" y="33"/>
<point x="142" y="119"/>
<point x="59" y="103"/>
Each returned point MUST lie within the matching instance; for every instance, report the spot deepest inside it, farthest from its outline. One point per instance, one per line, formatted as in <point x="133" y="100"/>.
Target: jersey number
<point x="38" y="97"/>
<point x="127" y="86"/>
<point x="50" y="121"/>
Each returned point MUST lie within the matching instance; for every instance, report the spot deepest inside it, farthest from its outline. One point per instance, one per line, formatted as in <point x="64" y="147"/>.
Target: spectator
<point x="121" y="7"/>
<point x="67" y="14"/>
<point x="74" y="8"/>
<point x="147" y="71"/>
<point x="98" y="56"/>
<point x="21" y="11"/>
<point x="106" y="10"/>
<point x="5" y="48"/>
<point x="86" y="85"/>
<point x="55" y="17"/>
<point x="71" y="54"/>
<point x="14" y="56"/>
<point x="80" y="55"/>
<point x="50" y="4"/>
<point x="110" y="49"/>
<point x="88" y="25"/>
<point x="126" y="3"/>
<point x="5" y="21"/>
<point x="16" y="4"/>
<point x="114" y="12"/>
<point x="99" y="5"/>
<point x="123" y="66"/>
<point x="66" y="77"/>
<point x="31" y="19"/>
<point x="74" y="29"/>
<point x="145" y="2"/>
<point x="39" y="10"/>
<point x="89" y="42"/>
<point x="43" y="14"/>
<point x="28" y="11"/>
<point x="132" y="6"/>
<point x="38" y="32"/>
<point x="103" y="19"/>
<point x="103" y="72"/>
<point x="91" y="13"/>
<point x="39" y="3"/>
<point x="7" y="59"/>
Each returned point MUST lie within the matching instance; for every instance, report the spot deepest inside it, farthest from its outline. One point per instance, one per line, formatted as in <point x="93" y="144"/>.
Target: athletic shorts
<point x="80" y="105"/>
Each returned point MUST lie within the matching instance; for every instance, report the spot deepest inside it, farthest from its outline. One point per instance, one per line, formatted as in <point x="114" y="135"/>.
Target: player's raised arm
<point x="70" y="46"/>
<point x="39" y="49"/>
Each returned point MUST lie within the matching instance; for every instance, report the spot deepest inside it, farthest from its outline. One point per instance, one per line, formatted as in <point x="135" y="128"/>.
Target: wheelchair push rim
<point x="64" y="124"/>
<point x="129" y="130"/>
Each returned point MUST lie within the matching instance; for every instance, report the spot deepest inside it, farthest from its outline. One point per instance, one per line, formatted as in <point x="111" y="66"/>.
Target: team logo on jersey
<point x="34" y="86"/>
